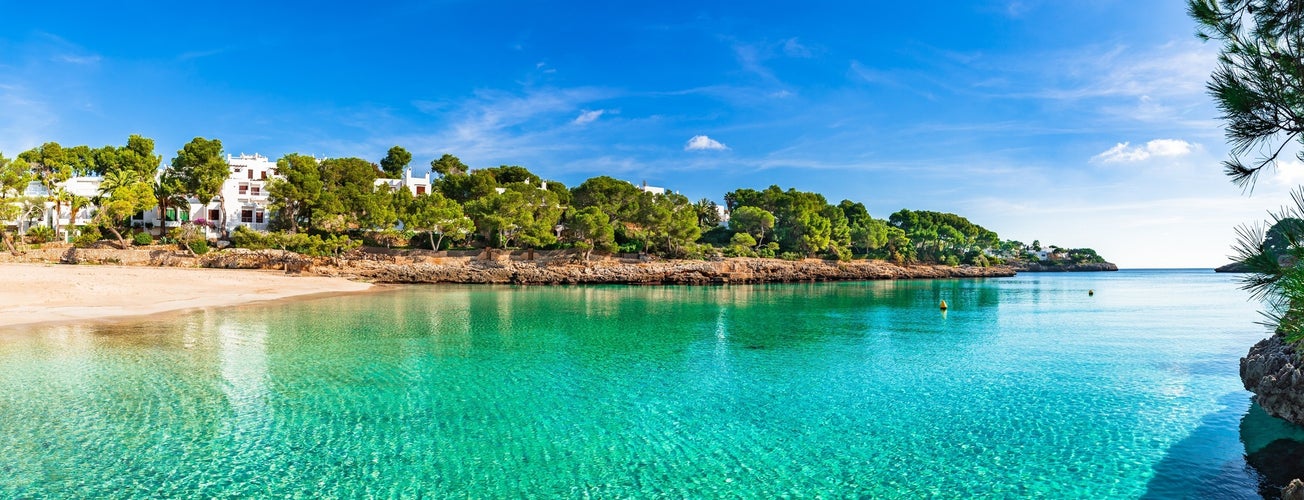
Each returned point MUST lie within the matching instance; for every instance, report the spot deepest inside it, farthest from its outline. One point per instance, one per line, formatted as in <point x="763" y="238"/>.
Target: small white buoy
<point x="943" y="305"/>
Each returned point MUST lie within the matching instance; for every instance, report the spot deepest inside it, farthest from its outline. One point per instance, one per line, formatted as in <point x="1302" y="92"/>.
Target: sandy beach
<point x="40" y="293"/>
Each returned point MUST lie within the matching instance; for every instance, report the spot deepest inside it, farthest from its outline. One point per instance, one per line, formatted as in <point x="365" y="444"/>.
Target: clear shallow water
<point x="1026" y="387"/>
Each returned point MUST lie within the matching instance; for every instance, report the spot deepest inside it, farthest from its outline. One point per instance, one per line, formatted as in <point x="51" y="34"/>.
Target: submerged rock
<point x="1271" y="371"/>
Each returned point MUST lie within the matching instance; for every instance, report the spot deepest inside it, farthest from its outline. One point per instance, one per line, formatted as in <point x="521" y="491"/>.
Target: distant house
<point x="650" y="189"/>
<point x="83" y="186"/>
<point x="542" y="185"/>
<point x="418" y="186"/>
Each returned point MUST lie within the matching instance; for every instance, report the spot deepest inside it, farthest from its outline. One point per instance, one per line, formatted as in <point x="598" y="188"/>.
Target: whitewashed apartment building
<point x="418" y="186"/>
<point x="242" y="201"/>
<point x="85" y="187"/>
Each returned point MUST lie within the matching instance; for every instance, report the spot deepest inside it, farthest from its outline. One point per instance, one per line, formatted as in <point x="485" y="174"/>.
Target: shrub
<point x="790" y="256"/>
<point x="839" y="253"/>
<point x="388" y="238"/>
<point x="314" y="245"/>
<point x="699" y="251"/>
<point x="86" y="236"/>
<point x="142" y="239"/>
<point x="738" y="251"/>
<point x="768" y="251"/>
<point x="187" y="233"/>
<point x="630" y="247"/>
<point x="40" y="234"/>
<point x="200" y="247"/>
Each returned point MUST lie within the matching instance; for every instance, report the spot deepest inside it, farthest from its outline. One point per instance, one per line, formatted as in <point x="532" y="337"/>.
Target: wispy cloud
<point x="793" y="48"/>
<point x="198" y="54"/>
<point x="1176" y="69"/>
<point x="26" y="121"/>
<point x="588" y="116"/>
<point x="865" y="74"/>
<point x="87" y="59"/>
<point x="1123" y="152"/>
<point x="704" y="143"/>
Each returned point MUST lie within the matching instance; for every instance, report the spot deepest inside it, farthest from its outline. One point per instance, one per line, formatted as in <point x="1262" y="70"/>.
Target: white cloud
<point x="704" y="143"/>
<point x="1289" y="173"/>
<point x="793" y="48"/>
<point x="1124" y="153"/>
<point x="586" y="117"/>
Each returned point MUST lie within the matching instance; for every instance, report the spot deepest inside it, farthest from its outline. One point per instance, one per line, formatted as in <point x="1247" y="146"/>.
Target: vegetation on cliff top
<point x="325" y="207"/>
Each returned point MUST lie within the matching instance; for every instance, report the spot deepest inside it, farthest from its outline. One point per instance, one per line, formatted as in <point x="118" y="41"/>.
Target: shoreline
<point x="118" y="284"/>
<point x="40" y="294"/>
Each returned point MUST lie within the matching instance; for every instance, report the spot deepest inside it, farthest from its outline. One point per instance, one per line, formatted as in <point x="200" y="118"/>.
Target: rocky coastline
<point x="379" y="265"/>
<point x="1234" y="267"/>
<point x="1272" y="371"/>
<point x="1035" y="267"/>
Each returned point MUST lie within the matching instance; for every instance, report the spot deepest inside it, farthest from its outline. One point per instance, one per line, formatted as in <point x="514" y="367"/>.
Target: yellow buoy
<point x="943" y="305"/>
<point x="1091" y="293"/>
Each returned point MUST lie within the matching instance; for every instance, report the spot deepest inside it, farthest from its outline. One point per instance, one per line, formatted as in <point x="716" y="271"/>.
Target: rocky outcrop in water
<point x="1037" y="267"/>
<point x="1234" y="267"/>
<point x="1272" y="372"/>
<point x="1293" y="491"/>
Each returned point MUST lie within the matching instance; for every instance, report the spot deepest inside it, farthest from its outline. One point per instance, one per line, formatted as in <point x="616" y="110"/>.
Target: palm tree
<point x="112" y="181"/>
<point x="168" y="193"/>
<point x="75" y="204"/>
<point x="57" y="195"/>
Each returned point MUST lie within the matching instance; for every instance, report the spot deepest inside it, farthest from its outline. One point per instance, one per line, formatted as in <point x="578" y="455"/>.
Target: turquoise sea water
<point x="1026" y="387"/>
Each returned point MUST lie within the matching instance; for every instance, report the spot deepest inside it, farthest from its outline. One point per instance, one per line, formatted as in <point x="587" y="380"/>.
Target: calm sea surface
<point x="1027" y="387"/>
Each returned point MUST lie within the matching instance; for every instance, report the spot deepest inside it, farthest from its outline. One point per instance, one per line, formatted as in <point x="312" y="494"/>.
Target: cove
<point x="1026" y="386"/>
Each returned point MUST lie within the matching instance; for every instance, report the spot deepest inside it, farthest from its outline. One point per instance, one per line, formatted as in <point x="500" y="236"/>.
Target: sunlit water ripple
<point x="1026" y="387"/>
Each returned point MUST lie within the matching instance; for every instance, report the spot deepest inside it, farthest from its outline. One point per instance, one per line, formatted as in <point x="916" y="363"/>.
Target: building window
<point x="244" y="189"/>
<point x="255" y="190"/>
<point x="258" y="217"/>
<point x="251" y="173"/>
<point x="214" y="214"/>
<point x="421" y="190"/>
<point x="246" y="216"/>
<point x="264" y="175"/>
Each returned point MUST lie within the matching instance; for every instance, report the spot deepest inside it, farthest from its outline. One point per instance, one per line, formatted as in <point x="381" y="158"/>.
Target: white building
<point x="84" y="187"/>
<point x="242" y="201"/>
<point x="417" y="185"/>
<point x="649" y="189"/>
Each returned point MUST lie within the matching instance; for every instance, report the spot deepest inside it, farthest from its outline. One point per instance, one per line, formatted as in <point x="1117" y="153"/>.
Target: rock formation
<point x="1272" y="372"/>
<point x="1036" y="267"/>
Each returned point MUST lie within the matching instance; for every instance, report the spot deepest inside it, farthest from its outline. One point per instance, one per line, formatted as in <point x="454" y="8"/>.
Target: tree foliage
<point x="1259" y="81"/>
<point x="437" y="215"/>
<point x="592" y="229"/>
<point x="1259" y="87"/>
<point x="395" y="161"/>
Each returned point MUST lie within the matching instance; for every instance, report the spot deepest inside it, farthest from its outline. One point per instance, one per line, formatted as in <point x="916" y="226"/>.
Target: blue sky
<point x="1078" y="123"/>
